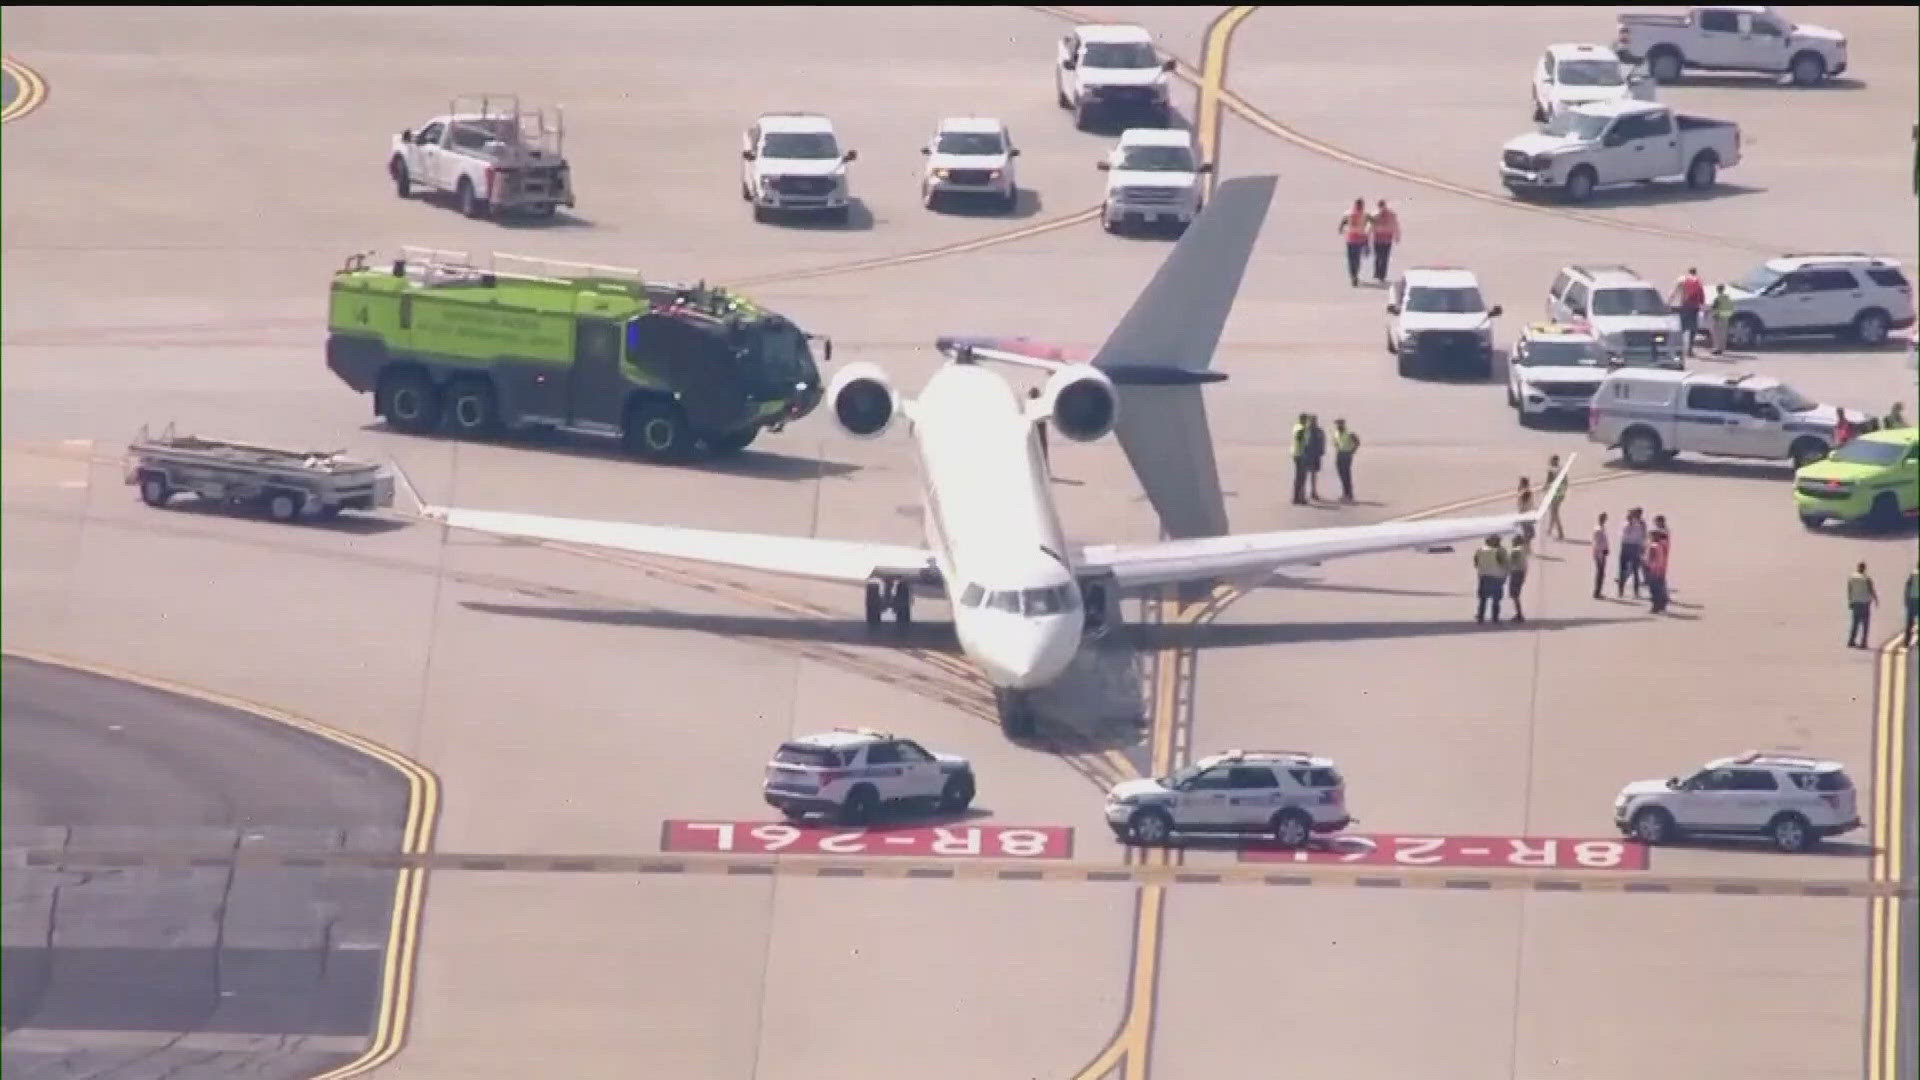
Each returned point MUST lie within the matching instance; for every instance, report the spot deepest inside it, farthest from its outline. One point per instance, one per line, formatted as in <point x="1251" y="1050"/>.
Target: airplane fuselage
<point x="993" y="528"/>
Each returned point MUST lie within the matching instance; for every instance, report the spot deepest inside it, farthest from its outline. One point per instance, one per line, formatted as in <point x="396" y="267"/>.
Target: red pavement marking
<point x="935" y="841"/>
<point x="1502" y="852"/>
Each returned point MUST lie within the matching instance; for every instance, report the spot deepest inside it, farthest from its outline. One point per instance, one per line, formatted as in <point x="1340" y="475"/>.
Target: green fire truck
<point x="674" y="371"/>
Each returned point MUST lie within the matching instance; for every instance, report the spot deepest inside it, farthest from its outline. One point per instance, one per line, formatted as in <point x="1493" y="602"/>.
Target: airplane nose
<point x="1027" y="653"/>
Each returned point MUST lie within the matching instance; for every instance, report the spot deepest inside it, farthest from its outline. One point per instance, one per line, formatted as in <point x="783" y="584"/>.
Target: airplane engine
<point x="864" y="403"/>
<point x="1081" y="403"/>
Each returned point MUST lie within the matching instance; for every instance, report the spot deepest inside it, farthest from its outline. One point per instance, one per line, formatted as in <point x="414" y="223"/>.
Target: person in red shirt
<point x="1655" y="562"/>
<point x="1689" y="296"/>
<point x="1353" y="229"/>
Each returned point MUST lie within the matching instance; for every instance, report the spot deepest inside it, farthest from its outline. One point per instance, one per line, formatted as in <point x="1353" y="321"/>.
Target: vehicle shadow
<point x="352" y="523"/>
<point x="1358" y="590"/>
<point x="1110" y="123"/>
<point x="892" y="818"/>
<point x="1027" y="203"/>
<point x="1773" y="471"/>
<point x="1832" y="849"/>
<point x="561" y="218"/>
<point x="1662" y="192"/>
<point x="859" y="219"/>
<point x="1863" y="532"/>
<point x="759" y="464"/>
<point x="1782" y="344"/>
<point x="1763" y="81"/>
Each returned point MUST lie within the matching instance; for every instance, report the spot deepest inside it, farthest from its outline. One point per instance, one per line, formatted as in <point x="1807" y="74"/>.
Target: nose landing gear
<point x="1016" y="712"/>
<point x="884" y="596"/>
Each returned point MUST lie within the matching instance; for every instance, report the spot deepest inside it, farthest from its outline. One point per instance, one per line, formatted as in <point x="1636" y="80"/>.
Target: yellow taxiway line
<point x="1884" y="926"/>
<point x="423" y="808"/>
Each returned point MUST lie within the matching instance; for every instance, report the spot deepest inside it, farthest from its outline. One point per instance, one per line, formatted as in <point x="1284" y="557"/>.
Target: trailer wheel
<point x="284" y="506"/>
<point x="154" y="490"/>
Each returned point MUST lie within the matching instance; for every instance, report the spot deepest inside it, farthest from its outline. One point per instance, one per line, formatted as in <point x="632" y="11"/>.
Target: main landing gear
<point x="884" y="596"/>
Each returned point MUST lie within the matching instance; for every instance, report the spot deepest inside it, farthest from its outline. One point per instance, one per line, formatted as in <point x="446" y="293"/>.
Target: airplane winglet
<point x="1554" y="489"/>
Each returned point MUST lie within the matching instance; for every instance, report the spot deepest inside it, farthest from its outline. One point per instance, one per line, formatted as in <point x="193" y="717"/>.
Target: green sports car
<point x="1875" y="478"/>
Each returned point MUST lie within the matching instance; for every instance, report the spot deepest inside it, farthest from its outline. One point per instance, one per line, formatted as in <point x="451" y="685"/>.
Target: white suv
<point x="1794" y="801"/>
<point x="850" y="773"/>
<point x="1108" y="69"/>
<point x="1845" y="296"/>
<point x="793" y="161"/>
<point x="1629" y="314"/>
<point x="1554" y="370"/>
<point x="1285" y="794"/>
<point x="1568" y="75"/>
<point x="1438" y="323"/>
<point x="1153" y="177"/>
<point x="970" y="156"/>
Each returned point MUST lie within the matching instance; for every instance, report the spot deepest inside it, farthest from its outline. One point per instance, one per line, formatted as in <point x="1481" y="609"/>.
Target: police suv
<point x="1554" y="370"/>
<point x="1285" y="794"/>
<point x="1652" y="414"/>
<point x="1794" y="801"/>
<point x="850" y="773"/>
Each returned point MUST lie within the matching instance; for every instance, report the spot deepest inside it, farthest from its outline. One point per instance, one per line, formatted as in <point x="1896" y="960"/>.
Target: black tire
<point x="1703" y="172"/>
<point x="1060" y="97"/>
<point x="1665" y="65"/>
<point x="471" y="410"/>
<point x="1404" y="364"/>
<point x="902" y="603"/>
<point x="792" y="812"/>
<point x="402" y="183"/>
<point x="1744" y="331"/>
<point x="1012" y="201"/>
<point x="876" y="604"/>
<point x="1539" y="114"/>
<point x="1805" y="452"/>
<point x="154" y="489"/>
<point x="1016" y="713"/>
<point x="1081" y="114"/>
<point x="1653" y="825"/>
<point x="409" y="401"/>
<point x="746" y="193"/>
<point x="1807" y="69"/>
<point x="1580" y="184"/>
<point x="957" y="794"/>
<point x="1791" y="833"/>
<point x="1885" y="513"/>
<point x="470" y="204"/>
<point x="840" y="215"/>
<point x="1870" y="327"/>
<point x="761" y="214"/>
<point x="1150" y="827"/>
<point x="284" y="506"/>
<point x="657" y="431"/>
<point x="862" y="803"/>
<point x="1641" y="448"/>
<point x="1812" y="521"/>
<point x="1291" y="828"/>
<point x="1513" y="401"/>
<point x="733" y="442"/>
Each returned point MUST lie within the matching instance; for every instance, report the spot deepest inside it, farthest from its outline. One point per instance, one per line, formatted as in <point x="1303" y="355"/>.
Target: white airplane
<point x="1023" y="598"/>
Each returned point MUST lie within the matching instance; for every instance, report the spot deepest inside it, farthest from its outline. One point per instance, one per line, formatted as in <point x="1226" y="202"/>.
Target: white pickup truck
<point x="1618" y="142"/>
<point x="1112" y="71"/>
<point x="489" y="155"/>
<point x="1758" y="39"/>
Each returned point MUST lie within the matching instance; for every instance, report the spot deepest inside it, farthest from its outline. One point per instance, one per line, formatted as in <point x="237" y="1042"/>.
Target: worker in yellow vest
<point x="1345" y="444"/>
<point x="1490" y="566"/>
<point x="1860" y="599"/>
<point x="1354" y="229"/>
<point x="1300" y="460"/>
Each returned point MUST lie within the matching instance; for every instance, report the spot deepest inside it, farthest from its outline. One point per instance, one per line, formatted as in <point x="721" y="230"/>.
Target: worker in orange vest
<point x="1353" y="227"/>
<point x="1386" y="232"/>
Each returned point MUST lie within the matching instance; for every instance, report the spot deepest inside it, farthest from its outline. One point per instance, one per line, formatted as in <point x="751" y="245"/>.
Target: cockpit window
<point x="1052" y="600"/>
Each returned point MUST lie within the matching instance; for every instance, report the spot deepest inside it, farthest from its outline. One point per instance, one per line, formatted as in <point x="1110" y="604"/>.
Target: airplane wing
<point x="845" y="561"/>
<point x="1170" y="562"/>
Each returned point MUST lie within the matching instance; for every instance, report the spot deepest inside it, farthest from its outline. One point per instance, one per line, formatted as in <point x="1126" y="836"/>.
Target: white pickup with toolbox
<point x="487" y="153"/>
<point x="1732" y="38"/>
<point x="1605" y="143"/>
<point x="287" y="484"/>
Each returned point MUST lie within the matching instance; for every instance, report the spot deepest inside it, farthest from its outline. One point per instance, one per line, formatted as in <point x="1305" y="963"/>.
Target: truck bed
<point x="1699" y="123"/>
<point x="1656" y="19"/>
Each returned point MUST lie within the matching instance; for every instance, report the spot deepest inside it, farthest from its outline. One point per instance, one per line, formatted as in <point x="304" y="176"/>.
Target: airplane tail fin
<point x="1175" y="325"/>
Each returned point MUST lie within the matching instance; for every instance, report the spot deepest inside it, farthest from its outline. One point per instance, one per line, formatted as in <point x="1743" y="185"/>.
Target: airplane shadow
<point x="1242" y="635"/>
<point x="919" y="635"/>
<point x="1299" y="584"/>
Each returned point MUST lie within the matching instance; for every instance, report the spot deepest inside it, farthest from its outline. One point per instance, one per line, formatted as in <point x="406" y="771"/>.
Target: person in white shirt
<point x="1601" y="547"/>
<point x="1633" y="544"/>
